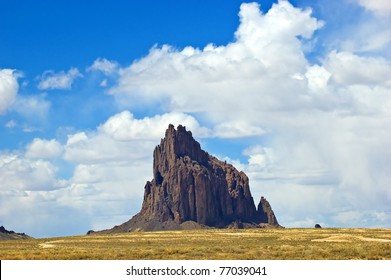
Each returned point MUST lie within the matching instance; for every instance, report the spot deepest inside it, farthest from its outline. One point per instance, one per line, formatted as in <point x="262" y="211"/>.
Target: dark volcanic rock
<point x="192" y="188"/>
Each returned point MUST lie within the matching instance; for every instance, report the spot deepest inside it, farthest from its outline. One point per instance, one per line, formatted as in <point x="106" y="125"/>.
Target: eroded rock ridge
<point x="11" y="235"/>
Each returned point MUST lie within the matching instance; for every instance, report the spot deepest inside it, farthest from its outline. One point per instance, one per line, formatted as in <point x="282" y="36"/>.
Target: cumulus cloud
<point x="348" y="68"/>
<point x="325" y="124"/>
<point x="8" y="89"/>
<point x="236" y="129"/>
<point x="20" y="174"/>
<point x="259" y="156"/>
<point x="255" y="69"/>
<point x="61" y="80"/>
<point x="317" y="78"/>
<point x="41" y="148"/>
<point x="124" y="127"/>
<point x="100" y="148"/>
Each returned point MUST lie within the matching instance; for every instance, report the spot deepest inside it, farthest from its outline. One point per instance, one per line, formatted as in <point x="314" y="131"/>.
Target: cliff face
<point x="190" y="185"/>
<point x="191" y="189"/>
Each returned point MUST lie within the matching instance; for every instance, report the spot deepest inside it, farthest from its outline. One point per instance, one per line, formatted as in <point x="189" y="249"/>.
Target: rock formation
<point x="192" y="189"/>
<point x="266" y="214"/>
<point x="11" y="235"/>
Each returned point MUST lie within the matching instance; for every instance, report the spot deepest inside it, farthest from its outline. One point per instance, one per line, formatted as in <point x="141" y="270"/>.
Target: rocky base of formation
<point x="137" y="223"/>
<point x="11" y="235"/>
<point x="191" y="189"/>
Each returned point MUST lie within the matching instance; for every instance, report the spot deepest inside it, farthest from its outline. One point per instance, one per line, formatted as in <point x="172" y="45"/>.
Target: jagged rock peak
<point x="177" y="143"/>
<point x="266" y="213"/>
<point x="192" y="189"/>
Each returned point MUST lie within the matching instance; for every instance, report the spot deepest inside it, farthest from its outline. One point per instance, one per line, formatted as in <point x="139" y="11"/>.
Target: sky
<point x="297" y="94"/>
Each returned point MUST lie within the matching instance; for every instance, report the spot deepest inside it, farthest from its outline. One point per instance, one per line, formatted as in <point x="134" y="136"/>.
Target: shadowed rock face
<point x="192" y="189"/>
<point x="266" y="214"/>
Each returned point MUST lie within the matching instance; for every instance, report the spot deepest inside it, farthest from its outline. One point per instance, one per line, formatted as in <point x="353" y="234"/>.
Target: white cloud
<point x="78" y="137"/>
<point x="41" y="148"/>
<point x="8" y="89"/>
<point x="21" y="174"/>
<point x="317" y="78"/>
<point x="259" y="157"/>
<point x="255" y="69"/>
<point x="124" y="127"/>
<point x="98" y="147"/>
<point x="381" y="7"/>
<point x="104" y="65"/>
<point x="236" y="129"/>
<point x="61" y="80"/>
<point x="348" y="68"/>
<point x="95" y="148"/>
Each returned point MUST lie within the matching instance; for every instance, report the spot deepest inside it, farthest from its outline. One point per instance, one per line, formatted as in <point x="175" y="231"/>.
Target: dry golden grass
<point x="279" y="244"/>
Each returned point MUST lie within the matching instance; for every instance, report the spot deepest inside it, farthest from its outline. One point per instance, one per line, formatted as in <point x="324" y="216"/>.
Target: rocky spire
<point x="176" y="144"/>
<point x="189" y="185"/>
<point x="266" y="214"/>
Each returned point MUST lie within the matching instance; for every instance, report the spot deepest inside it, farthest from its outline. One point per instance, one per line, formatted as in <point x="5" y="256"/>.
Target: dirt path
<point x="49" y="244"/>
<point x="349" y="238"/>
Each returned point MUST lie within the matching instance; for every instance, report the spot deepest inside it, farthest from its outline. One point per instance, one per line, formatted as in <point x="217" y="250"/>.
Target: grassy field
<point x="269" y="244"/>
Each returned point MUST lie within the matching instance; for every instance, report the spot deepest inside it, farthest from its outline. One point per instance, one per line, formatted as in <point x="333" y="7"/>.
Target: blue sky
<point x="297" y="94"/>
